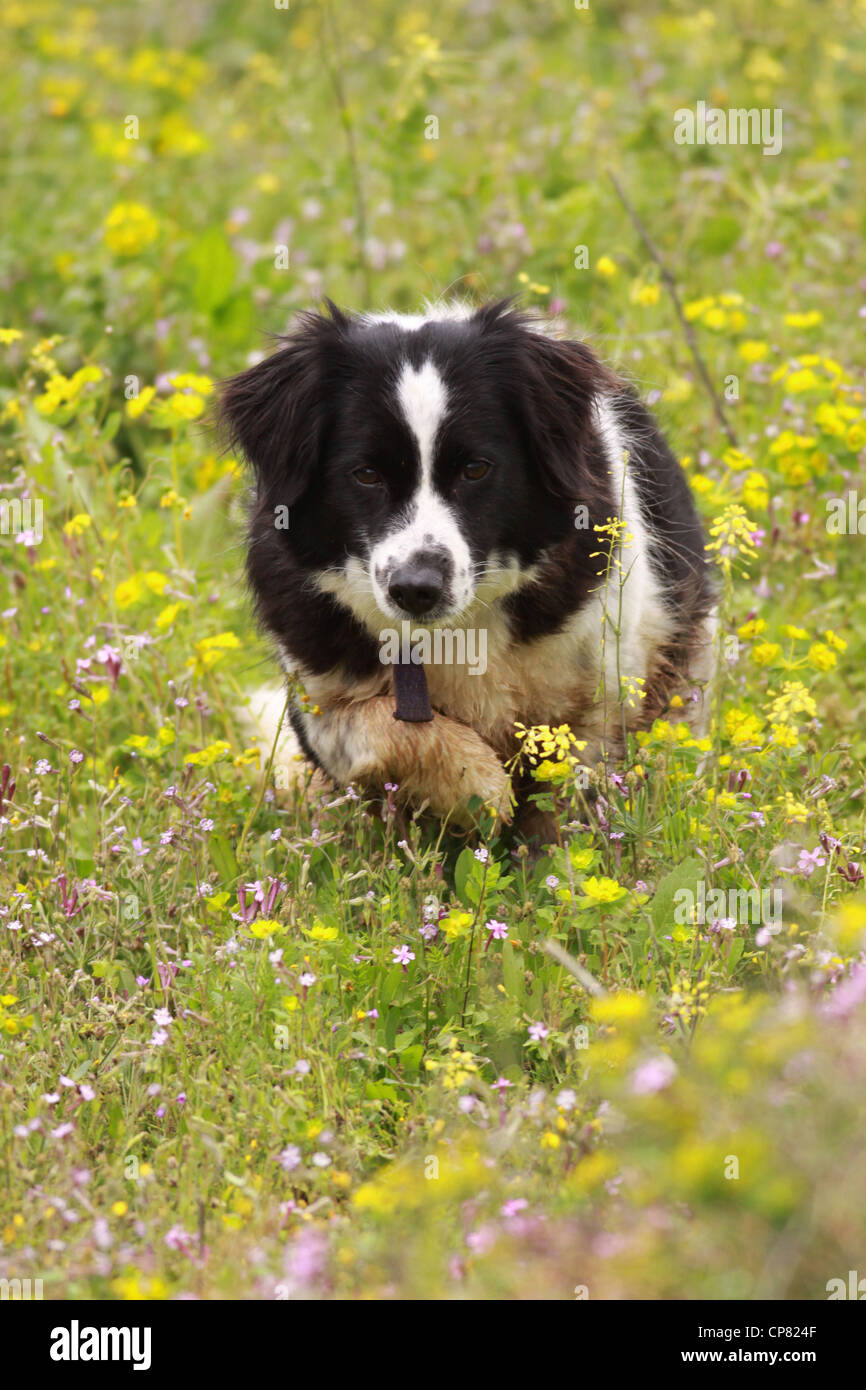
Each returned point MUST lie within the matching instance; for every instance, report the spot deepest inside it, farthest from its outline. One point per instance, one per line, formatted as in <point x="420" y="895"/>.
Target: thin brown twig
<point x="671" y="287"/>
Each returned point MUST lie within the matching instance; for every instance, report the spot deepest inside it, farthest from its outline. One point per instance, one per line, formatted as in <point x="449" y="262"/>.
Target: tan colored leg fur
<point x="442" y="762"/>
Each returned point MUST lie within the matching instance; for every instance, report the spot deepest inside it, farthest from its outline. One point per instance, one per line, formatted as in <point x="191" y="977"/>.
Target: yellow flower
<point x="265" y="926"/>
<point x="548" y="771"/>
<point x="182" y="406"/>
<point x="135" y="1287"/>
<point x="765" y="653"/>
<point x="456" y="924"/>
<point x="644" y="294"/>
<point x="622" y="1010"/>
<point x="822" y="657"/>
<point x="678" y="390"/>
<point x="10" y="335"/>
<point x="835" y="641"/>
<point x="808" y="320"/>
<point x="715" y="318"/>
<point x="753" y="350"/>
<point x="829" y="420"/>
<point x="138" y="404"/>
<point x="756" y="492"/>
<point x="129" y="591"/>
<point x="319" y="932"/>
<point x="742" y="726"/>
<point x="855" y="437"/>
<point x="61" y="390"/>
<point x="129" y="228"/>
<point x="732" y="537"/>
<point x="793" y="699"/>
<point x="696" y="307"/>
<point x="213" y="753"/>
<point x="785" y="735"/>
<point x="803" y="380"/>
<point x="77" y="524"/>
<point x="210" y="650"/>
<point x="606" y="267"/>
<point x="177" y="136"/>
<point x="190" y="381"/>
<point x="167" y="615"/>
<point x="542" y="741"/>
<point x="602" y="890"/>
<point x="736" y="460"/>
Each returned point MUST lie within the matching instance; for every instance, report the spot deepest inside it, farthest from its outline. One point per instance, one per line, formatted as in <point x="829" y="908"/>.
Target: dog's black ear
<point x="562" y="381"/>
<point x="553" y="387"/>
<point x="275" y="413"/>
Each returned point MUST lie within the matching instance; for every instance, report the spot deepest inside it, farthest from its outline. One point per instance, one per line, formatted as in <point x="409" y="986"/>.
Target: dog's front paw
<point x="442" y="764"/>
<point x="480" y="775"/>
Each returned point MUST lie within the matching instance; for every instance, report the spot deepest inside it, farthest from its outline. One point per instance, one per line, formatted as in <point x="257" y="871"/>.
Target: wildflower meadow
<point x="268" y="1041"/>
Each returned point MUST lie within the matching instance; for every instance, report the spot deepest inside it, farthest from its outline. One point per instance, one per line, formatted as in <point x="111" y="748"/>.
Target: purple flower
<point x="653" y="1075"/>
<point x="808" y="861"/>
<point x="538" y="1032"/>
<point x="513" y="1206"/>
<point x="848" y="995"/>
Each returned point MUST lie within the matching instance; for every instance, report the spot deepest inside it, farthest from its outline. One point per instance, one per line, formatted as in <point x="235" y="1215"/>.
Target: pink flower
<point x="653" y="1075"/>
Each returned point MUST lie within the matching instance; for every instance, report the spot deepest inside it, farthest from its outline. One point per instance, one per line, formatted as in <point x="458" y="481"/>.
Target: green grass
<point x="474" y="1123"/>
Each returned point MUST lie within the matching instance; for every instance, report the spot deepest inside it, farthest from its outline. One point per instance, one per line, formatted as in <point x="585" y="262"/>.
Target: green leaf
<point x="223" y="859"/>
<point x="462" y="870"/>
<point x="719" y="234"/>
<point x="512" y="972"/>
<point x="411" y="1057"/>
<point x="738" y="945"/>
<point x="389" y="987"/>
<point x="686" y="875"/>
<point x="212" y="266"/>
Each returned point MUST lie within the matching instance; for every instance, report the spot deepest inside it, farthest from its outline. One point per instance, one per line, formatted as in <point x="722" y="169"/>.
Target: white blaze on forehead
<point x="427" y="522"/>
<point x="423" y="400"/>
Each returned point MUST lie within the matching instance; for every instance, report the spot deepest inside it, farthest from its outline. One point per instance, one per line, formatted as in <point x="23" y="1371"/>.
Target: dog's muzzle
<point x="418" y="584"/>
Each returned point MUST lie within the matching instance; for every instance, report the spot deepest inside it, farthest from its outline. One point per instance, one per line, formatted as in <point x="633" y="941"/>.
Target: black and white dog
<point x="446" y="476"/>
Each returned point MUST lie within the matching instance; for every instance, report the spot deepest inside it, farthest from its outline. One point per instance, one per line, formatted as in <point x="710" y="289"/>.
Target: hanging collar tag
<point x="411" y="694"/>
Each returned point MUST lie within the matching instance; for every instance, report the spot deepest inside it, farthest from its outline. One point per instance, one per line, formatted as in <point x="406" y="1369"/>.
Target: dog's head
<point x="415" y="466"/>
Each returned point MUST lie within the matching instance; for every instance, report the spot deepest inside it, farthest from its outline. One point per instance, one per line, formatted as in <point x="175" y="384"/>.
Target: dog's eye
<point x="475" y="471"/>
<point x="367" y="477"/>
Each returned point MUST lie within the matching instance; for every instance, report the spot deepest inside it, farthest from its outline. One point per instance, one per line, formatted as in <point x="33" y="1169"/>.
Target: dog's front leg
<point x="443" y="763"/>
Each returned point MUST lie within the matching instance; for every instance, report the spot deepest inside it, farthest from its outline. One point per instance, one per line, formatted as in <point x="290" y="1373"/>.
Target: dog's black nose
<point x="416" y="587"/>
